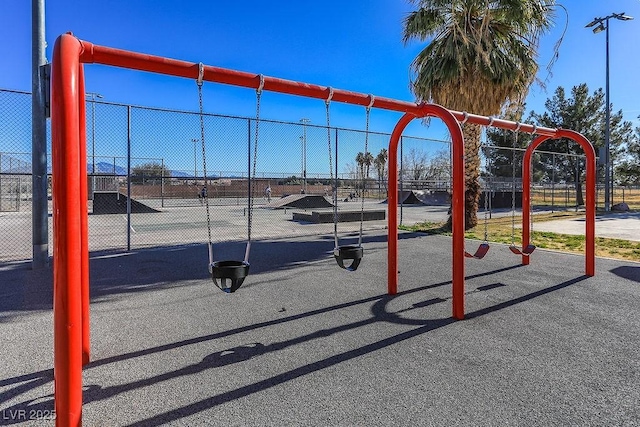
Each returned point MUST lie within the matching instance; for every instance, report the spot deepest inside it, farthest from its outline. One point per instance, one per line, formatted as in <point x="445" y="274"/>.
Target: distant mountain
<point x="12" y="165"/>
<point x="107" y="168"/>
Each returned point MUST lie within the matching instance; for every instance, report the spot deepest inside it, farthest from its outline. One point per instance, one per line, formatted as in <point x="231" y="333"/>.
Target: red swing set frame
<point x="70" y="215"/>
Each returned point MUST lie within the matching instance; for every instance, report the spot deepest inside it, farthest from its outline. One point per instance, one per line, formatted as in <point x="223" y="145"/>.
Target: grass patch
<point x="499" y="230"/>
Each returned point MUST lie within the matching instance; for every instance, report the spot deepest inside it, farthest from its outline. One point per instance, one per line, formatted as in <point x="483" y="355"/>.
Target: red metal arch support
<point x="590" y="187"/>
<point x="70" y="248"/>
<point x="457" y="202"/>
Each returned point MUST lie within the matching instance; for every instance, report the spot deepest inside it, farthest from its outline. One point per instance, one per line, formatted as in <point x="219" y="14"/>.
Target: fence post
<point x="162" y="184"/>
<point x="128" y="177"/>
<point x="553" y="182"/>
<point x="0" y="182"/>
<point x="401" y="179"/>
<point x="248" y="177"/>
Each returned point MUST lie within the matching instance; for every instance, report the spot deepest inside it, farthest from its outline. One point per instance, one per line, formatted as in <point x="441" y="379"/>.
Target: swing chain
<point x="487" y="194"/>
<point x="253" y="173"/>
<point x="204" y="157"/>
<point x="334" y="185"/>
<point x="513" y="186"/>
<point x="255" y="149"/>
<point x="364" y="180"/>
<point x="327" y="102"/>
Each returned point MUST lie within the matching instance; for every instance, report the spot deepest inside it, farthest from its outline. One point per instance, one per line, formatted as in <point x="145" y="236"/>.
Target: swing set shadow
<point x="379" y="314"/>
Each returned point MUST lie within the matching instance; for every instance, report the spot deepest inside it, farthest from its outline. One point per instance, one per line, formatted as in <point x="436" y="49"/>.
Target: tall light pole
<point x="603" y="25"/>
<point x="93" y="97"/>
<point x="195" y="162"/>
<point x="304" y="151"/>
<point x="39" y="176"/>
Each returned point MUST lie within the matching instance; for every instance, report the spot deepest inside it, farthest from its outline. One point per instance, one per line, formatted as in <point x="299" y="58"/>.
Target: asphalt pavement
<point x="305" y="343"/>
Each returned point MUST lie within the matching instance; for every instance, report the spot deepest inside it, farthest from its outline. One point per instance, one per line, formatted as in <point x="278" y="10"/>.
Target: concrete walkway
<point x="621" y="225"/>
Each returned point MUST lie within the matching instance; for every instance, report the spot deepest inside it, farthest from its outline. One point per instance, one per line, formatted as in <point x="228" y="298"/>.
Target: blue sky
<point x="348" y="45"/>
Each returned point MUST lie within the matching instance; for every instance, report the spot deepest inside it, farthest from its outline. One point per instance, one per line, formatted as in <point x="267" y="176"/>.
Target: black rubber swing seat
<point x="480" y="252"/>
<point x="229" y="275"/>
<point x="526" y="251"/>
<point x="348" y="252"/>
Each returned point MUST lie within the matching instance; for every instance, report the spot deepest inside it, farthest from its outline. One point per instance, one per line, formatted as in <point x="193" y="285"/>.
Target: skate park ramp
<point x="323" y="217"/>
<point x="301" y="201"/>
<point x="114" y="202"/>
<point x="422" y="197"/>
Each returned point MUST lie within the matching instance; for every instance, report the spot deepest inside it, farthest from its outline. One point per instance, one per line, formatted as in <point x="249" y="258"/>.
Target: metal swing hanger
<point x="528" y="250"/>
<point x="229" y="275"/>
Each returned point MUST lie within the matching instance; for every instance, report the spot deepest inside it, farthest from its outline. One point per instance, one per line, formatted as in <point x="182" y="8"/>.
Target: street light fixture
<point x="93" y="97"/>
<point x="603" y="25"/>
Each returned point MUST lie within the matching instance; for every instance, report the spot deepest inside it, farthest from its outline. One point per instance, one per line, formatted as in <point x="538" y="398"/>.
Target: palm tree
<point x="360" y="163"/>
<point x="380" y="163"/>
<point x="368" y="161"/>
<point x="364" y="162"/>
<point x="481" y="58"/>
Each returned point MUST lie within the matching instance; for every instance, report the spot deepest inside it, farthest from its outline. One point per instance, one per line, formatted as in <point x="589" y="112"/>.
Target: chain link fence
<point x="146" y="176"/>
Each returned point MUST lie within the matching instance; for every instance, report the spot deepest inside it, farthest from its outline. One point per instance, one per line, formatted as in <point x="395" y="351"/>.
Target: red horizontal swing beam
<point x="71" y="277"/>
<point x="92" y="53"/>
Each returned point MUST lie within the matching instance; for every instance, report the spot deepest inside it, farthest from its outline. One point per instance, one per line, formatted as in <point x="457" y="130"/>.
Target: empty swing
<point x="528" y="250"/>
<point x="346" y="252"/>
<point x="484" y="246"/>
<point x="229" y="275"/>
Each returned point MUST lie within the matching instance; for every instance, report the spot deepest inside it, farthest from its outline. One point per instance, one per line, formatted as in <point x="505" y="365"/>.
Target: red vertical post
<point x="392" y="218"/>
<point x="526" y="193"/>
<point x="590" y="199"/>
<point x="457" y="203"/>
<point x="457" y="212"/>
<point x="67" y="226"/>
<point x="84" y="217"/>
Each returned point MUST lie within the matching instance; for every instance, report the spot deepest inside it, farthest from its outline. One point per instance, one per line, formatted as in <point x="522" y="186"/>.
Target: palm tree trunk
<point x="472" y="133"/>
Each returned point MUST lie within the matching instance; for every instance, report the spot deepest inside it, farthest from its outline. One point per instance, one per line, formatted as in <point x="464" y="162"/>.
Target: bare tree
<point x="415" y="165"/>
<point x="439" y="168"/>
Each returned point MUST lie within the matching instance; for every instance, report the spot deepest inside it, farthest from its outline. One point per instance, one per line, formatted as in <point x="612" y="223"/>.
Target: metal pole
<point x="401" y="180"/>
<point x="336" y="214"/>
<point x="129" y="178"/>
<point x="93" y="144"/>
<point x="195" y="163"/>
<point x="39" y="184"/>
<point x="248" y="177"/>
<point x="162" y="184"/>
<point x="304" y="152"/>
<point x="553" y="182"/>
<point x="302" y="160"/>
<point x="0" y="182"/>
<point x="607" y="134"/>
